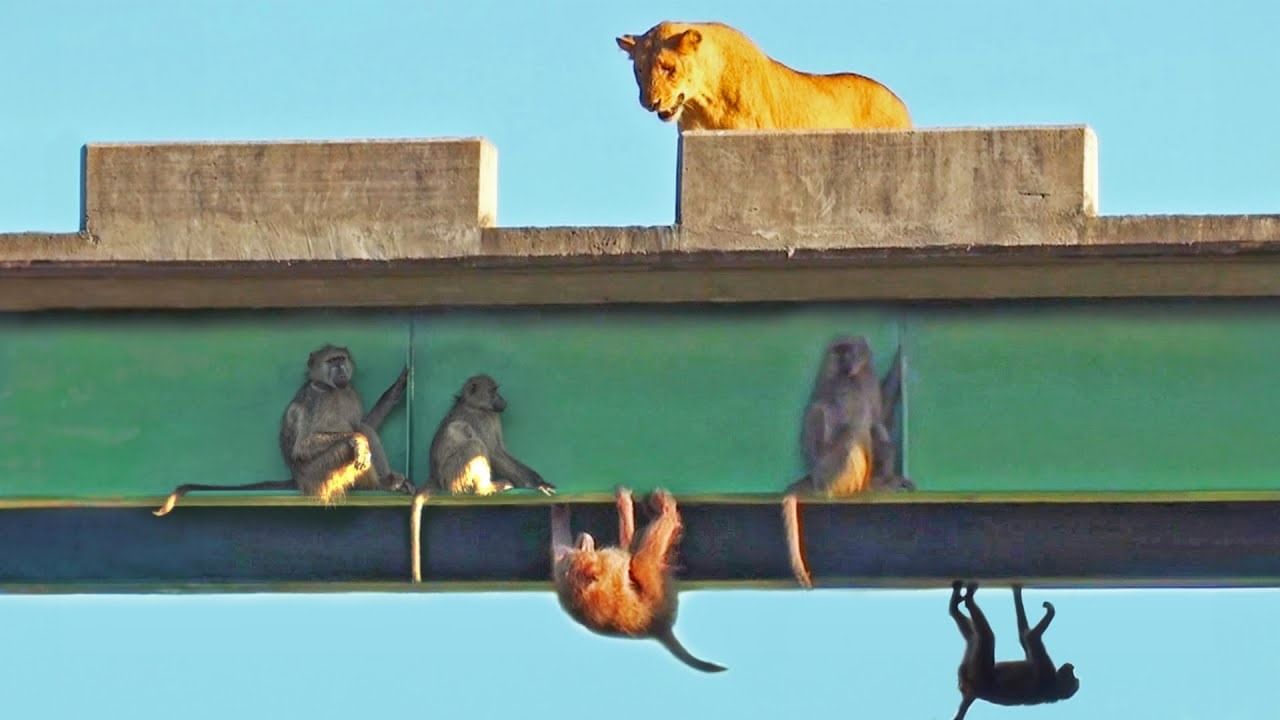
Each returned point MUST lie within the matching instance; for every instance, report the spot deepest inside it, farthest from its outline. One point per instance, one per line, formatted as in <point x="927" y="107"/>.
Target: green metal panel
<point x="693" y="399"/>
<point x="132" y="404"/>
<point x="1086" y="397"/>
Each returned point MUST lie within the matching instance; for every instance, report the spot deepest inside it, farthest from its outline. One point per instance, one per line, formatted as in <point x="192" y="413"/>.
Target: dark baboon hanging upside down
<point x="1032" y="681"/>
<point x="329" y="443"/>
<point x="621" y="591"/>
<point x="846" y="438"/>
<point x="469" y="457"/>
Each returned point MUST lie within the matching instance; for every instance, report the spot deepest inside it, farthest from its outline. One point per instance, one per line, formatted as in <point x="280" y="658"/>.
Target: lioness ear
<point x="627" y="43"/>
<point x="688" y="41"/>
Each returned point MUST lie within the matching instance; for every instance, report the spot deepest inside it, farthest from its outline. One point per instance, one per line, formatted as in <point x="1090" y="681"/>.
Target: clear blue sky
<point x="1182" y="96"/>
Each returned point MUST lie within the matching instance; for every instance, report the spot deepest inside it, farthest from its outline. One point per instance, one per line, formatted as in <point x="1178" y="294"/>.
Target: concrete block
<point x="290" y="200"/>
<point x="837" y="189"/>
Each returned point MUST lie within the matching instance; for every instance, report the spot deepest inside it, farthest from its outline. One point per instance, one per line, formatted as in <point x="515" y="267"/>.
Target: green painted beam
<point x="1134" y="396"/>
<point x="899" y="541"/>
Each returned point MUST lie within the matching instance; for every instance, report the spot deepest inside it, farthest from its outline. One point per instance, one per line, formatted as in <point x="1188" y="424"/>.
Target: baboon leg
<point x="984" y="640"/>
<point x="650" y="560"/>
<point x="1043" y="625"/>
<point x="466" y="469"/>
<point x="381" y="476"/>
<point x="1021" y="613"/>
<point x="626" y="518"/>
<point x="313" y="449"/>
<point x="962" y="622"/>
<point x="331" y="466"/>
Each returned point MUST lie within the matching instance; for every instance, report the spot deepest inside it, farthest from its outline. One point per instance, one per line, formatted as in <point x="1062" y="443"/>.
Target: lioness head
<point x="664" y="66"/>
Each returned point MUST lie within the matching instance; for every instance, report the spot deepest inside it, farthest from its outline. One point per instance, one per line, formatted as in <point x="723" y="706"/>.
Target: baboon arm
<point x="307" y="446"/>
<point x="324" y="450"/>
<point x="464" y="446"/>
<point x="816" y="433"/>
<point x="388" y="401"/>
<point x="515" y="472"/>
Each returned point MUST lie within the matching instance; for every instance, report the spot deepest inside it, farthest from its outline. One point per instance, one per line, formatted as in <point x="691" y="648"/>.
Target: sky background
<point x="1182" y="96"/>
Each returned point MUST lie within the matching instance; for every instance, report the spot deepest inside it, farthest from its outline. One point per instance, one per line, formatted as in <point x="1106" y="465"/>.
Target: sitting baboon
<point x="327" y="440"/>
<point x="848" y="447"/>
<point x="468" y="456"/>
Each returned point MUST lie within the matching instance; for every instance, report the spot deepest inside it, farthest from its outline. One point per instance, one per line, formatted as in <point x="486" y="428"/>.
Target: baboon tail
<point x="415" y="534"/>
<point x="669" y="641"/>
<point x="791" y="525"/>
<point x="181" y="490"/>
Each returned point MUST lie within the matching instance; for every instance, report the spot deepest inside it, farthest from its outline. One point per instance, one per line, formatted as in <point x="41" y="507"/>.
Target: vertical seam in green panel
<point x="905" y="397"/>
<point x="408" y="403"/>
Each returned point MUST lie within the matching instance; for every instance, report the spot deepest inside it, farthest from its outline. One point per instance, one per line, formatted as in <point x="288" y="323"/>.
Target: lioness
<point x="708" y="76"/>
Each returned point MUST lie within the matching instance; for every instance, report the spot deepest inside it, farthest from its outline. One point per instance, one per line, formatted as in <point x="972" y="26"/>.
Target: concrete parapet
<point x="826" y="189"/>
<point x="290" y="200"/>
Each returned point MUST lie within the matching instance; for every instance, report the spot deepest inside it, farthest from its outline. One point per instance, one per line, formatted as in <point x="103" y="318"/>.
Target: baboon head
<point x="331" y="366"/>
<point x="481" y="392"/>
<point x="846" y="356"/>
<point x="1067" y="681"/>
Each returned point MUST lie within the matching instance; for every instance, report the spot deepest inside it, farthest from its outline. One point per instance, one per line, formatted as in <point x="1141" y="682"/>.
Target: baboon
<point x="617" y="592"/>
<point x="328" y="442"/>
<point x="468" y="456"/>
<point x="846" y="438"/>
<point x="1032" y="681"/>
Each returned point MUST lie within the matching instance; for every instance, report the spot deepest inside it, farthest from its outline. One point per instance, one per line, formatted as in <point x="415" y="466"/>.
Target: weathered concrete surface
<point x="578" y="241"/>
<point x="828" y="189"/>
<point x="1149" y="231"/>
<point x="17" y="247"/>
<point x="290" y="200"/>
<point x="1182" y="229"/>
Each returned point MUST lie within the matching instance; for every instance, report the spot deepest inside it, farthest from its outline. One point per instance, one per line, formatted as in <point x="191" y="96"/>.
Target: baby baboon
<point x="328" y="442"/>
<point x="614" y="591"/>
<point x="468" y="456"/>
<point x="847" y="445"/>
<point x="1023" y="682"/>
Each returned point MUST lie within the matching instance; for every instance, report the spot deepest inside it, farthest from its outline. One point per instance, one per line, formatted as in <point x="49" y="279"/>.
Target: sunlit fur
<point x="598" y="591"/>
<point x="476" y="478"/>
<point x="343" y="478"/>
<point x="623" y="591"/>
<point x="856" y="475"/>
<point x="709" y="76"/>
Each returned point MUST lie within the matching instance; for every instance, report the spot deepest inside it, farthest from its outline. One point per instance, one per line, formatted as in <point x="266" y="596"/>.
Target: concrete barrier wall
<point x="829" y="189"/>
<point x="736" y="191"/>
<point x="292" y="200"/>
